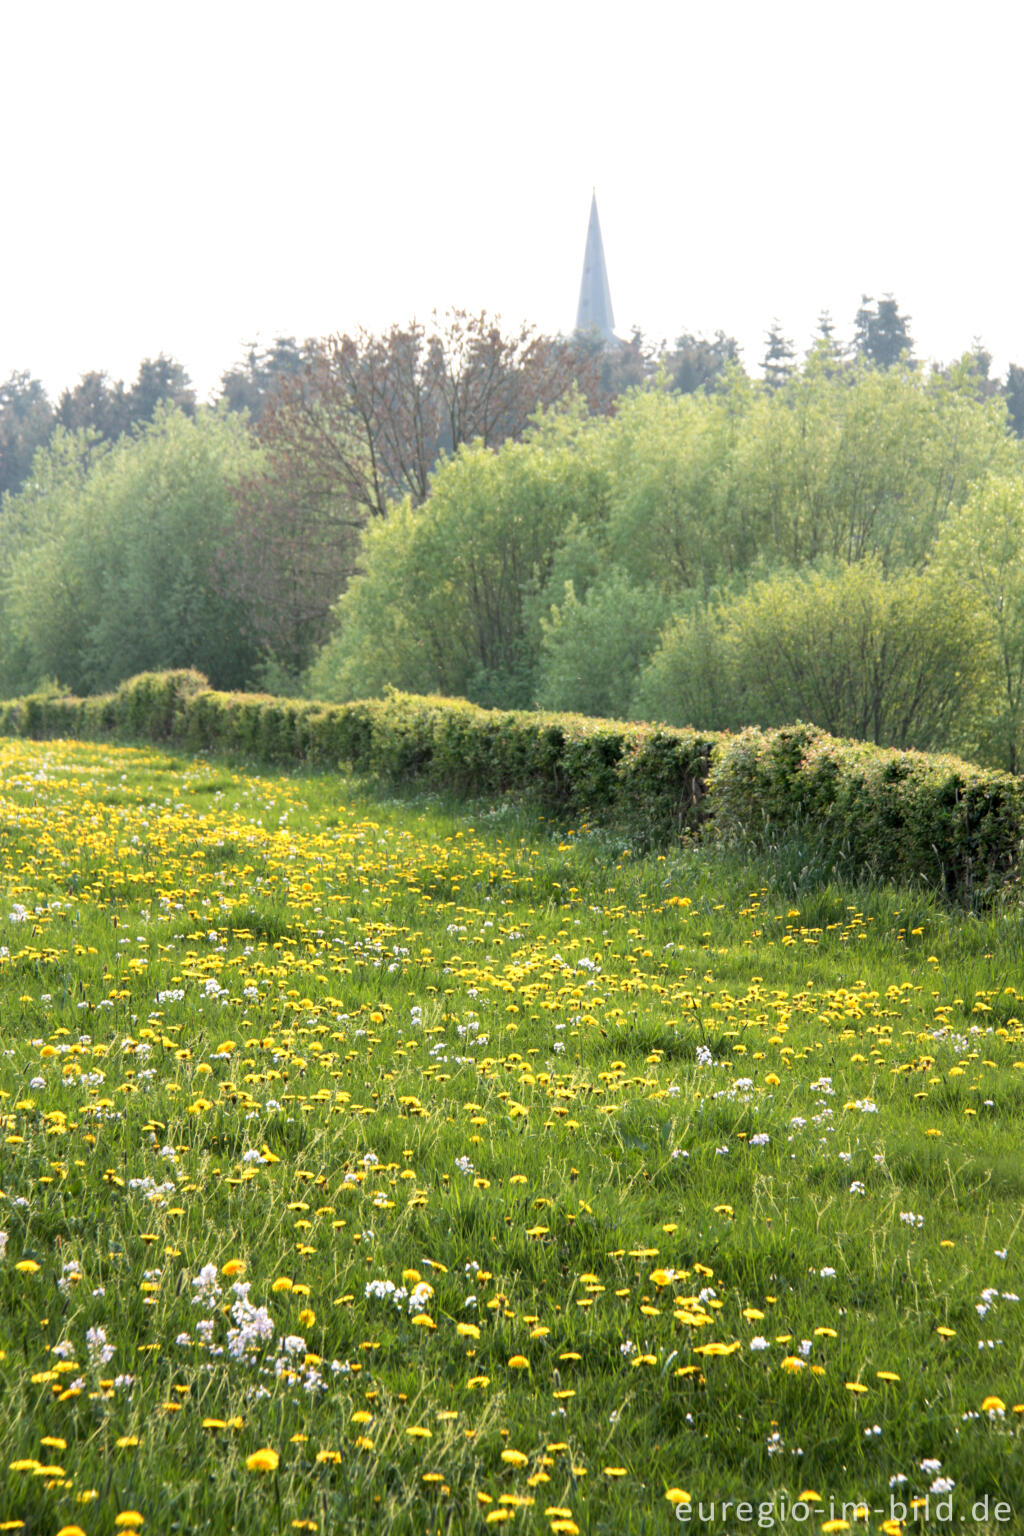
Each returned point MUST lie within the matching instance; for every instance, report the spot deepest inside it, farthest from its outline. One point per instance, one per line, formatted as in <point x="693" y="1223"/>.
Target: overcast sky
<point x="189" y="177"/>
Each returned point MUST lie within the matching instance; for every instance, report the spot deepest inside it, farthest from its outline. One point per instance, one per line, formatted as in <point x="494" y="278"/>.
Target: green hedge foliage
<point x="911" y="817"/>
<point x="903" y="816"/>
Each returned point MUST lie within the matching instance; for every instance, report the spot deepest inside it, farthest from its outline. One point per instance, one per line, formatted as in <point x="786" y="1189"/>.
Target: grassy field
<point x="370" y="1166"/>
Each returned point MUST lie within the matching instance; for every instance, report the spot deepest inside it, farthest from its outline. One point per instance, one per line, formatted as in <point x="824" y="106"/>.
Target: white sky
<point x="188" y="177"/>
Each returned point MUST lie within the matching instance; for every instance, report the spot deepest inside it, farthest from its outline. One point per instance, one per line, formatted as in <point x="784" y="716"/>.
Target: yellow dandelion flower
<point x="129" y="1520"/>
<point x="677" y="1496"/>
<point x="515" y="1458"/>
<point x="264" y="1460"/>
<point x="887" y="1376"/>
<point x="615" y="1472"/>
<point x="126" y="1442"/>
<point x="27" y="1267"/>
<point x="233" y="1267"/>
<point x="993" y="1405"/>
<point x="468" y="1330"/>
<point x="419" y="1432"/>
<point x="519" y="1363"/>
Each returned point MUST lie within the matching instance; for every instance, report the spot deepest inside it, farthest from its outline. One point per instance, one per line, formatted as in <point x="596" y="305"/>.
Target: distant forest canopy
<point x="108" y="407"/>
<point x="523" y="520"/>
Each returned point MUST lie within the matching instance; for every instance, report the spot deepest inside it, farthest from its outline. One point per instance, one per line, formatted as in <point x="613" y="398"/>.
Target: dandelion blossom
<point x="264" y="1460"/>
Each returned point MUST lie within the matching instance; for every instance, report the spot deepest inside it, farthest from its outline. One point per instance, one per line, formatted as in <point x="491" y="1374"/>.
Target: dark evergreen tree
<point x="881" y="334"/>
<point x="1013" y="394"/>
<point x="826" y="328"/>
<point x="778" y="362"/>
<point x="96" y="404"/>
<point x="248" y="385"/>
<point x="26" y="421"/>
<point x="160" y="379"/>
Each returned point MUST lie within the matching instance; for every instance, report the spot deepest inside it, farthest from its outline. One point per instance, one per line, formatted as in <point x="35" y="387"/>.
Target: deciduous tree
<point x="372" y="415"/>
<point x="981" y="552"/>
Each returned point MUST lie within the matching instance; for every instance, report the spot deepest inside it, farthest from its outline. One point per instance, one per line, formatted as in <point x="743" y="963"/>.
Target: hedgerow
<point x="909" y="817"/>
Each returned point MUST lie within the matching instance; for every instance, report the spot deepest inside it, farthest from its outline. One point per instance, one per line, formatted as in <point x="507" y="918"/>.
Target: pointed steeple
<point x="595" y="306"/>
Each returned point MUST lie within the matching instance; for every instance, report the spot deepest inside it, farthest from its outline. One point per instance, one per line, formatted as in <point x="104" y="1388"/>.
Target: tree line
<point x="526" y="520"/>
<point x="110" y="407"/>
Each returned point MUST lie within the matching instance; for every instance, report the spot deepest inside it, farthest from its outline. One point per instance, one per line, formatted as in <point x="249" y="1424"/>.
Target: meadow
<point x="372" y="1164"/>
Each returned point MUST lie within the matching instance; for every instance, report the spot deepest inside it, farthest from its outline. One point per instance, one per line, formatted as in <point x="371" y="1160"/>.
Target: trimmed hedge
<point x="911" y="817"/>
<point x="902" y="816"/>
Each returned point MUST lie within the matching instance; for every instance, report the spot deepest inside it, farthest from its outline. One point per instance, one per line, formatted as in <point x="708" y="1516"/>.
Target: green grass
<point x="332" y="1039"/>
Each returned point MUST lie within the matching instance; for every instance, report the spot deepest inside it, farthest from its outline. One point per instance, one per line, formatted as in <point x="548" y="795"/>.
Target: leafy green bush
<point x="900" y="660"/>
<point x="441" y="601"/>
<point x="593" y="648"/>
<point x="110" y="557"/>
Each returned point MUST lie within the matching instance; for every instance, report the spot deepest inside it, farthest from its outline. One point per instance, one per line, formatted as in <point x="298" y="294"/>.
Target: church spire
<point x="595" y="307"/>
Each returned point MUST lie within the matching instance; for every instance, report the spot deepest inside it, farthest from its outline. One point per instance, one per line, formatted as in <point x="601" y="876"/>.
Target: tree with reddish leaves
<point x="376" y="413"/>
